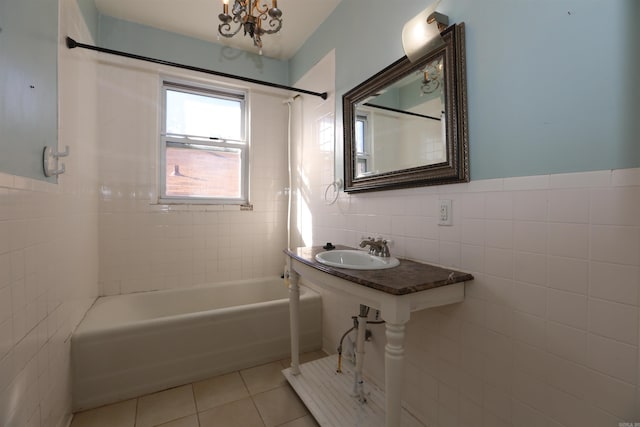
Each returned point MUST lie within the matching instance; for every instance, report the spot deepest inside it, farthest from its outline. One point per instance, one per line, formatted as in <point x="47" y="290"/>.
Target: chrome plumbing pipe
<point x="361" y="326"/>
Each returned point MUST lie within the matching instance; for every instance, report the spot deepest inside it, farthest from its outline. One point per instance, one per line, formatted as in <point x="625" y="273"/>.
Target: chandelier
<point x="250" y="15"/>
<point x="432" y="76"/>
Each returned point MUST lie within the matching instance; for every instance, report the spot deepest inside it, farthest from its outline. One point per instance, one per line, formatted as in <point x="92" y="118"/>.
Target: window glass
<point x="363" y="146"/>
<point x="203" y="115"/>
<point x="360" y="125"/>
<point x="206" y="172"/>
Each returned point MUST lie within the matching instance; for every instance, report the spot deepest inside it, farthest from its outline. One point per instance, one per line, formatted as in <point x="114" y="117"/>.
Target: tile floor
<point x="253" y="397"/>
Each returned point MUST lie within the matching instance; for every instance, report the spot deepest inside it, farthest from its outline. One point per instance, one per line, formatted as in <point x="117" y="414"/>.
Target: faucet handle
<point x="384" y="248"/>
<point x="377" y="246"/>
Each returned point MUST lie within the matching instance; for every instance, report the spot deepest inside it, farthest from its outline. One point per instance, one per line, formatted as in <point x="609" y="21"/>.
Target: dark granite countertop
<point x="407" y="278"/>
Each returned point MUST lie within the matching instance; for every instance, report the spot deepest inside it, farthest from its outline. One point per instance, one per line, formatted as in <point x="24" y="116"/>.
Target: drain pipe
<point x="358" y="383"/>
<point x="360" y="323"/>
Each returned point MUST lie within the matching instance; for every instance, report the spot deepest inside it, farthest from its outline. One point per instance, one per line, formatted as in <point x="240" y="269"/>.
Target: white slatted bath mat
<point x="327" y="395"/>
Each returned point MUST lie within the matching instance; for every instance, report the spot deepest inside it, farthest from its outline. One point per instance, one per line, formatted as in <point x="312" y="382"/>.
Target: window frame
<point x="203" y="142"/>
<point x="365" y="117"/>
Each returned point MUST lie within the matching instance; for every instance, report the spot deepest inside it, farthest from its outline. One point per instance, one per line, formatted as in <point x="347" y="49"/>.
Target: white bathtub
<point x="129" y="345"/>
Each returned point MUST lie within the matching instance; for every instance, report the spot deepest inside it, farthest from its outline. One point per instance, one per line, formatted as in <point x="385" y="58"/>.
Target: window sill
<point x="172" y="206"/>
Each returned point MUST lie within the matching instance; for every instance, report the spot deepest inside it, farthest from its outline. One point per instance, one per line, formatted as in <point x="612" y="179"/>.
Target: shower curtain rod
<point x="71" y="43"/>
<point x="395" y="110"/>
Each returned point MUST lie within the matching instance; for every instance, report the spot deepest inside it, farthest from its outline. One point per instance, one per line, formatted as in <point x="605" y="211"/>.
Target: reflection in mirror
<point x="406" y="125"/>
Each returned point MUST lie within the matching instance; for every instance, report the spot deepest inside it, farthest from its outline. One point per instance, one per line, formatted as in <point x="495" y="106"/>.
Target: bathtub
<point x="130" y="345"/>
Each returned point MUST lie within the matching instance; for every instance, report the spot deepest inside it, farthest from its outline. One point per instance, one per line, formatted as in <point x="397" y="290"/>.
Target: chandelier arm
<point x="430" y="86"/>
<point x="261" y="12"/>
<point x="277" y="23"/>
<point x="224" y="30"/>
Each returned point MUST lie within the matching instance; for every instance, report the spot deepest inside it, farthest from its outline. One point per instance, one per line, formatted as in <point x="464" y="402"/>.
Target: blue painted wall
<point x="117" y="34"/>
<point x="552" y="84"/>
<point x="28" y="85"/>
<point x="91" y="17"/>
<point x="142" y="40"/>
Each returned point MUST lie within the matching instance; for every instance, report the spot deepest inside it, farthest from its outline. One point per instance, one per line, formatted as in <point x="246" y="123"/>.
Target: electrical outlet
<point x="446" y="214"/>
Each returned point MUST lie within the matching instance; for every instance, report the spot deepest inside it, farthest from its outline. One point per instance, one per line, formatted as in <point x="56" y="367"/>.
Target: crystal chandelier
<point x="250" y="15"/>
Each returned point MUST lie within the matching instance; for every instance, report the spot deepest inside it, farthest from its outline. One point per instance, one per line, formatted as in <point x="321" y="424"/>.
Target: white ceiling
<point x="199" y="19"/>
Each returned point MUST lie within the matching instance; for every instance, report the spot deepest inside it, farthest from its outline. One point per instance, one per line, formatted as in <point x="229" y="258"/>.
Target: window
<point x="363" y="145"/>
<point x="204" y="148"/>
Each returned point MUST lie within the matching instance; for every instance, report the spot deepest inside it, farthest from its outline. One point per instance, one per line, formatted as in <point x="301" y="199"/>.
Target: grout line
<point x="264" y="423"/>
<point x="135" y="413"/>
<point x="244" y="382"/>
<point x="589" y="343"/>
<point x="195" y="404"/>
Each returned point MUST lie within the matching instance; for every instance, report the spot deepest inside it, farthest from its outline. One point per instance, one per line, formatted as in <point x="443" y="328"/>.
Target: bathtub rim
<point x="176" y="319"/>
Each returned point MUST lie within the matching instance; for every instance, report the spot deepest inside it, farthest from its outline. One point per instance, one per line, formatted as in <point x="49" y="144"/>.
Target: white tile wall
<point x="49" y="254"/>
<point x="146" y="246"/>
<point x="548" y="332"/>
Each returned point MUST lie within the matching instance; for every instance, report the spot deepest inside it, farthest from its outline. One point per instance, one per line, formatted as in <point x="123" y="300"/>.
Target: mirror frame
<point x="456" y="168"/>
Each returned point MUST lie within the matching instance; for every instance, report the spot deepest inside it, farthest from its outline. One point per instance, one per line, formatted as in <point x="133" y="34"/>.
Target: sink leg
<point x="393" y="372"/>
<point x="294" y="319"/>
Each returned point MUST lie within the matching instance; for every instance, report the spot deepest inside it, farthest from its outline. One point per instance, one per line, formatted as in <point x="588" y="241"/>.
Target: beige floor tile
<point x="306" y="421"/>
<point x="219" y="390"/>
<point x="241" y="413"/>
<point x="264" y="377"/>
<point x="305" y="357"/>
<point x="121" y="414"/>
<point x="190" y="421"/>
<point x="165" y="406"/>
<point x="279" y="406"/>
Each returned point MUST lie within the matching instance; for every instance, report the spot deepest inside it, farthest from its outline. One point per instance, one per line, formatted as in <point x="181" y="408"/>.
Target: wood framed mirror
<point x="406" y="126"/>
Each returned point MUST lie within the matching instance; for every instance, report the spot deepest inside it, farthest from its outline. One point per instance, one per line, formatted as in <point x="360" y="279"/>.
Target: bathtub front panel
<point x="117" y="364"/>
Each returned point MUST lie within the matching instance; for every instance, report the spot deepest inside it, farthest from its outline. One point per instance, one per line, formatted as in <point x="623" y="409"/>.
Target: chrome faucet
<point x="377" y="247"/>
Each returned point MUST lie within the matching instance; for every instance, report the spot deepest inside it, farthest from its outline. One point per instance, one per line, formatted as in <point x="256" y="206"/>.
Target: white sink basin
<point x="356" y="260"/>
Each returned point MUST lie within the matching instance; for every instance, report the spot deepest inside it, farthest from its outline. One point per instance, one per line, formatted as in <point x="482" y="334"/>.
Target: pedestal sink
<point x="356" y="260"/>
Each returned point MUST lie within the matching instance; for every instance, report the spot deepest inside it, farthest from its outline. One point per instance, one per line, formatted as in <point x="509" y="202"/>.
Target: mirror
<point x="406" y="126"/>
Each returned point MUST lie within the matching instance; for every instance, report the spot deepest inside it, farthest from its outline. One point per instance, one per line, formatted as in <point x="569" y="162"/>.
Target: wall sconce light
<point x="421" y="33"/>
